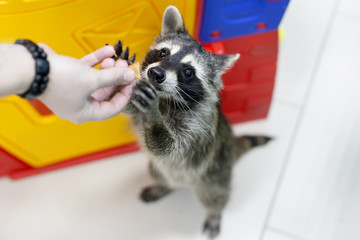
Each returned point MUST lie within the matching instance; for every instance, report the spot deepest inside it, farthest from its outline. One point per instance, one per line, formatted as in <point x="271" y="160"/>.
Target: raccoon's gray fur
<point x="176" y="110"/>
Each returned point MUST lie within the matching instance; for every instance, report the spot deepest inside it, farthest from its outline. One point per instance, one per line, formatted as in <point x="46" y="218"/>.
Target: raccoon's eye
<point x="162" y="53"/>
<point x="188" y="72"/>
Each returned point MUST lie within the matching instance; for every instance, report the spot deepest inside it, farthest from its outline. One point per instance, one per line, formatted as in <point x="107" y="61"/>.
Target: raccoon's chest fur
<point x="194" y="134"/>
<point x="178" y="176"/>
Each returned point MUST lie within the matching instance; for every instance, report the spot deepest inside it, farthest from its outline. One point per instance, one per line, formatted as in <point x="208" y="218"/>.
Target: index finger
<point x="112" y="77"/>
<point x="98" y="56"/>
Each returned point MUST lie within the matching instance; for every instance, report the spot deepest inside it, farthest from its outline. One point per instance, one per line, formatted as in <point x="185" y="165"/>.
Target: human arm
<point x="16" y="69"/>
<point x="72" y="82"/>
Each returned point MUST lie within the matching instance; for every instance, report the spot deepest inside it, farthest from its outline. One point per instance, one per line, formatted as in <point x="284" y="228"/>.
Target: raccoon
<point x="176" y="110"/>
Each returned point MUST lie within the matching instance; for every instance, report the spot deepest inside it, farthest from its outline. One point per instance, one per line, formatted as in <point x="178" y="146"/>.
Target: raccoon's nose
<point x="157" y="74"/>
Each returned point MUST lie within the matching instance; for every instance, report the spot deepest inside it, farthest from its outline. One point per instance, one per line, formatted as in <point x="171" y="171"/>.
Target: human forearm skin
<point x="17" y="69"/>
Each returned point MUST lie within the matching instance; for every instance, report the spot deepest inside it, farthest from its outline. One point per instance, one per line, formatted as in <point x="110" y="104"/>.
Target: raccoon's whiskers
<point x="185" y="104"/>
<point x="195" y="123"/>
<point x="142" y="75"/>
<point x="190" y="96"/>
<point x="168" y="104"/>
<point x="174" y="109"/>
<point x="179" y="104"/>
<point x="184" y="85"/>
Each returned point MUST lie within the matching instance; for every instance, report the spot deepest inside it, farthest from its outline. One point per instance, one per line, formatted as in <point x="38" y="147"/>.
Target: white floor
<point x="305" y="185"/>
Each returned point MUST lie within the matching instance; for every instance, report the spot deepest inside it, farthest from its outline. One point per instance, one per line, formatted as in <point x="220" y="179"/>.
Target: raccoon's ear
<point x="223" y="63"/>
<point x="172" y="21"/>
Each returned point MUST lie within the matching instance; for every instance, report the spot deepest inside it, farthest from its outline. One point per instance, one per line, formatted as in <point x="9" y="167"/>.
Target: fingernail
<point x="129" y="75"/>
<point x="121" y="64"/>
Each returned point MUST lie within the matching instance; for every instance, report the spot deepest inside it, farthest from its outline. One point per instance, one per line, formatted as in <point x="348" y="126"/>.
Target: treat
<point x="136" y="68"/>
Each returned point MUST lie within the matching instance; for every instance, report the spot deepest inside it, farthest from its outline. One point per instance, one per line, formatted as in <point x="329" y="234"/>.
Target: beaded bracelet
<point x="42" y="68"/>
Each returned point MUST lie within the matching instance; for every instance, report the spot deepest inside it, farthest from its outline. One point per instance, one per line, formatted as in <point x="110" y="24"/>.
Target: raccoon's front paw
<point x="144" y="96"/>
<point x="212" y="227"/>
<point x="123" y="54"/>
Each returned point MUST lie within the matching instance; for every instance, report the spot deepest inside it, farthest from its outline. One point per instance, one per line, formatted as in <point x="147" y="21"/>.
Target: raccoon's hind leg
<point x="214" y="196"/>
<point x="155" y="192"/>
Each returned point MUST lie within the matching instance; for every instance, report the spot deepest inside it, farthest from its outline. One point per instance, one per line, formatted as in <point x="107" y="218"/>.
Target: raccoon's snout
<point x="157" y="74"/>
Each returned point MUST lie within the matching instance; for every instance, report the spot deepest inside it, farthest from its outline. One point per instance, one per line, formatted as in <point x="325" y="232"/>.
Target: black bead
<point x="43" y="55"/>
<point x="20" y="41"/>
<point x="45" y="79"/>
<point x="38" y="78"/>
<point x="42" y="87"/>
<point x="42" y="66"/>
<point x="35" y="54"/>
<point x="42" y="69"/>
<point x="34" y="87"/>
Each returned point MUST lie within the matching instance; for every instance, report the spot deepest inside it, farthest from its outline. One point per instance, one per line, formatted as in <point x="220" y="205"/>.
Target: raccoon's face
<point x="180" y="68"/>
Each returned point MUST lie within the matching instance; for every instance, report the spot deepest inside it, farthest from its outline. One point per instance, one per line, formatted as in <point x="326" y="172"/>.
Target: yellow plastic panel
<point x="75" y="28"/>
<point x="42" y="140"/>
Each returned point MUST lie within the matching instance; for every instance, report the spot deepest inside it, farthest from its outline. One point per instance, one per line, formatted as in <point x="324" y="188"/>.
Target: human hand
<point x="106" y="93"/>
<point x="80" y="93"/>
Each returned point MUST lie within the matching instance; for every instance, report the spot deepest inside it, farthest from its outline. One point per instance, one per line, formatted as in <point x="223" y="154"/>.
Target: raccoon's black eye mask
<point x="155" y="56"/>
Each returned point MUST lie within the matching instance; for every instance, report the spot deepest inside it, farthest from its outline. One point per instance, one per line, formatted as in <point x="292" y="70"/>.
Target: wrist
<point x="16" y="69"/>
<point x="27" y="70"/>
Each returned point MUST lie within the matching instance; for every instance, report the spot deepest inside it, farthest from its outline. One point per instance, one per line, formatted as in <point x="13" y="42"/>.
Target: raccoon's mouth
<point x="157" y="86"/>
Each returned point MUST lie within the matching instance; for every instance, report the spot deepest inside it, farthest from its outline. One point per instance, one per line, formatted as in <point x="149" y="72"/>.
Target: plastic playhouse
<point x="33" y="140"/>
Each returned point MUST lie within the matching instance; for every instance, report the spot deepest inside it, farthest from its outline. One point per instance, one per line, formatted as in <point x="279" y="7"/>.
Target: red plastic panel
<point x="248" y="86"/>
<point x="40" y="107"/>
<point x="75" y="161"/>
<point x="8" y="163"/>
<point x="15" y="169"/>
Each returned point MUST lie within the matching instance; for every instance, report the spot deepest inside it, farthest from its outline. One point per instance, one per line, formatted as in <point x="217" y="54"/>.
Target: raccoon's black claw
<point x="148" y="89"/>
<point x="132" y="59"/>
<point x="118" y="48"/>
<point x="212" y="227"/>
<point x="144" y="96"/>
<point x="153" y="193"/>
<point x="125" y="54"/>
